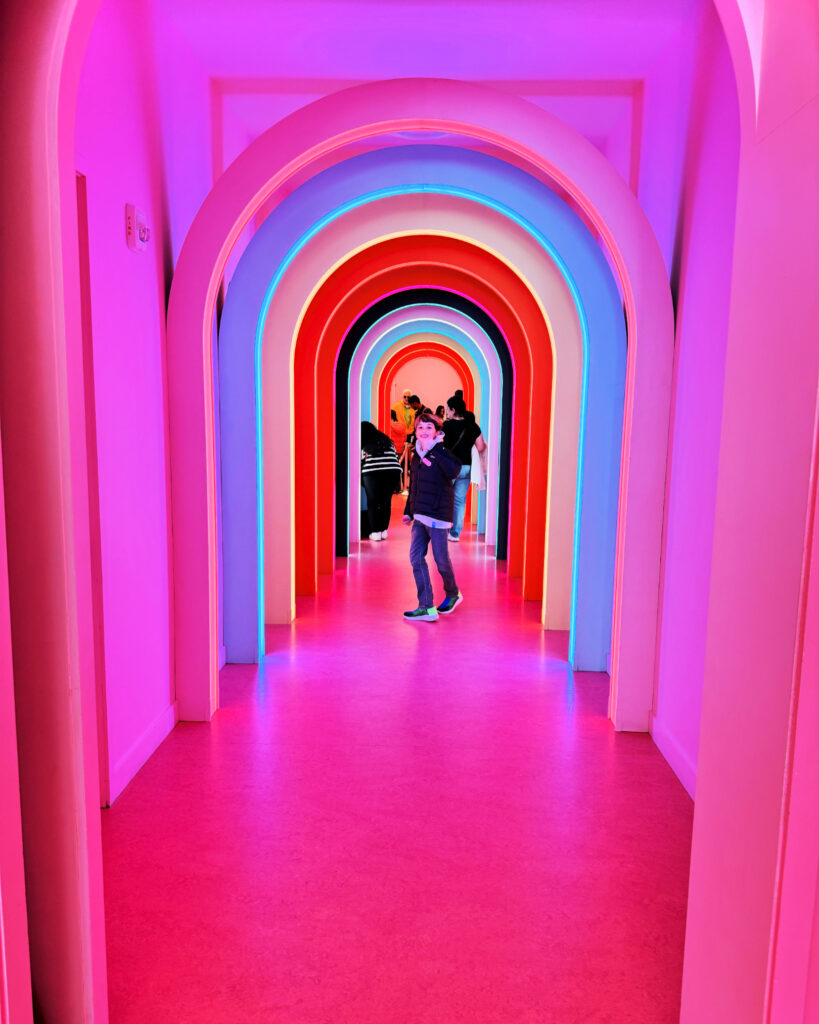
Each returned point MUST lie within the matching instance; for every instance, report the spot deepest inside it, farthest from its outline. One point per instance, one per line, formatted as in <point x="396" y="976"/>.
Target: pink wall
<point x="771" y="370"/>
<point x="795" y="969"/>
<point x="119" y="148"/>
<point x="183" y="97"/>
<point x="667" y="97"/>
<point x="15" y="976"/>
<point x="46" y="506"/>
<point x="433" y="380"/>
<point x="702" y="284"/>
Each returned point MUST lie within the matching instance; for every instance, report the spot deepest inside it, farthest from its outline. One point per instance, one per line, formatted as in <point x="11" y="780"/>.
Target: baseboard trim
<point x="678" y="759"/>
<point x="126" y="767"/>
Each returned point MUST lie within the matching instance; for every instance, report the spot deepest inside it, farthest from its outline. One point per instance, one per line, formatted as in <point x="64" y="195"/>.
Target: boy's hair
<point x="429" y="417"/>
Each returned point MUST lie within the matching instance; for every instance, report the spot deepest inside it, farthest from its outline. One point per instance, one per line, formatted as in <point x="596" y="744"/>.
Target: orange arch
<point x="406" y="355"/>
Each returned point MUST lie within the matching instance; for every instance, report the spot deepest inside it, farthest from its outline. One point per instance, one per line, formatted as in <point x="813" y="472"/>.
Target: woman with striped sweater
<point x="380" y="477"/>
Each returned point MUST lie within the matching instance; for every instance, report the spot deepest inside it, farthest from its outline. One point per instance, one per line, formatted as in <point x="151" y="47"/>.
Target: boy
<point x="429" y="509"/>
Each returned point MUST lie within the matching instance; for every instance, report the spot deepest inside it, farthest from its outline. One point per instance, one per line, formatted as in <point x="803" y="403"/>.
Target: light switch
<point x="137" y="231"/>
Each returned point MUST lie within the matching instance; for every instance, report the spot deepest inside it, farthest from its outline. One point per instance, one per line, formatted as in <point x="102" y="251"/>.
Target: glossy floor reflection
<point x="403" y="824"/>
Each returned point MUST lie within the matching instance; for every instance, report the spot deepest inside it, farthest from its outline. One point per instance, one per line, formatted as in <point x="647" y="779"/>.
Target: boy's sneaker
<point x="453" y="539"/>
<point x="449" y="604"/>
<point x="421" y="615"/>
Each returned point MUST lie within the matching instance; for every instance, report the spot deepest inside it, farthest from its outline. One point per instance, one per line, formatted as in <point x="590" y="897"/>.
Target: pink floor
<point x="401" y="824"/>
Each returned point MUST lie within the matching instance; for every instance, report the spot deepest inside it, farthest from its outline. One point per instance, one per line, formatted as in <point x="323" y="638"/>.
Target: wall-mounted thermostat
<point x="137" y="231"/>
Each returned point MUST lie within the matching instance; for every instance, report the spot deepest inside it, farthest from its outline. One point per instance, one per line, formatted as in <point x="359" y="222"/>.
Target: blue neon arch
<point x="591" y="286"/>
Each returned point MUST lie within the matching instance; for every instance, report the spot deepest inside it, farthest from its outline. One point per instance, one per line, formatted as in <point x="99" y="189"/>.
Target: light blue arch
<point x="455" y="334"/>
<point x="460" y="338"/>
<point x="486" y="181"/>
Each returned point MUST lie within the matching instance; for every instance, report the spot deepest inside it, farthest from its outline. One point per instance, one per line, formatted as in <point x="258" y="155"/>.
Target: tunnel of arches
<point x="309" y="549"/>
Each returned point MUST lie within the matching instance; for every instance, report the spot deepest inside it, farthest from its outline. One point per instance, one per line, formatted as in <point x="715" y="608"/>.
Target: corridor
<point x="394" y="823"/>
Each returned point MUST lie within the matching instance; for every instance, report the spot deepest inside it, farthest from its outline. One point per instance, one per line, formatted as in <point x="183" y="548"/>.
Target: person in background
<point x="398" y="435"/>
<point x="380" y="474"/>
<point x="418" y="406"/>
<point x="440" y="412"/>
<point x="398" y="432"/>
<point x="404" y="413"/>
<point x="429" y="509"/>
<point x="460" y="433"/>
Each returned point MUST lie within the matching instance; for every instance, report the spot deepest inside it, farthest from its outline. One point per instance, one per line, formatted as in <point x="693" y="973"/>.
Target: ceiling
<point x="583" y="60"/>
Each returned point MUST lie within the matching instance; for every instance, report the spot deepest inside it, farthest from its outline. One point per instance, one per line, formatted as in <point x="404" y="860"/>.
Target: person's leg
<point x="461" y="487"/>
<point x="371" y="488"/>
<point x="440" y="552"/>
<point x="419" y="542"/>
<point x="385" y="482"/>
<point x="393" y="486"/>
<point x="407" y="456"/>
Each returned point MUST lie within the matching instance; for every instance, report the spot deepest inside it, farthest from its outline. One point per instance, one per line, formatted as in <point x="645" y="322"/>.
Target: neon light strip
<point x="354" y="204"/>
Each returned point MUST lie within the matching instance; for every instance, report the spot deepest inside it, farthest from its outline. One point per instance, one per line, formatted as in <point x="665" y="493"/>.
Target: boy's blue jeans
<point x="461" y="487"/>
<point x="419" y="543"/>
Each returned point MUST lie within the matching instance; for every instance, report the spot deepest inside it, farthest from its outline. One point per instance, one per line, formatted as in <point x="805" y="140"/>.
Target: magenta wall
<point x="795" y="969"/>
<point x="758" y="560"/>
<point x="702" y="281"/>
<point x="15" y="975"/>
<point x="119" y="149"/>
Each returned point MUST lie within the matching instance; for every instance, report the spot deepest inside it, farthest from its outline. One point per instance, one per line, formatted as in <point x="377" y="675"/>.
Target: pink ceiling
<point x="475" y="41"/>
<point x="583" y="60"/>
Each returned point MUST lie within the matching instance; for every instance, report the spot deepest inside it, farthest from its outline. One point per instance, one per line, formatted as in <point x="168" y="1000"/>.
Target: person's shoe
<point x="453" y="539"/>
<point x="375" y="536"/>
<point x="421" y="615"/>
<point x="383" y="535"/>
<point x="449" y="604"/>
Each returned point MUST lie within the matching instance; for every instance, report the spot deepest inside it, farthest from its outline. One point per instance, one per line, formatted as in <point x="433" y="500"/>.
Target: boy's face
<point x="425" y="432"/>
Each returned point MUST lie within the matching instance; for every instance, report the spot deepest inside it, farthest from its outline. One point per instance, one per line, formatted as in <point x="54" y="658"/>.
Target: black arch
<point x="413" y="297"/>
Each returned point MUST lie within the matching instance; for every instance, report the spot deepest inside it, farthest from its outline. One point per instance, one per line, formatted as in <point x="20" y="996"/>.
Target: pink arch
<point x="516" y="126"/>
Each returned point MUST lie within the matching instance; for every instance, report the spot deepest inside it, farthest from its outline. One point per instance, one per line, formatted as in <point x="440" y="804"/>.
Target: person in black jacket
<point x="461" y="432"/>
<point x="429" y="509"/>
<point x="380" y="476"/>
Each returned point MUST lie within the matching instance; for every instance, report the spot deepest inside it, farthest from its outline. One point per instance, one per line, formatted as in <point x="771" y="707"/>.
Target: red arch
<point x="525" y="553"/>
<point x="383" y="268"/>
<point x="331" y="318"/>
<point x="400" y="359"/>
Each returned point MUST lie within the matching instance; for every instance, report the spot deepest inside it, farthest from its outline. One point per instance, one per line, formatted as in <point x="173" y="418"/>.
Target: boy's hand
<point x="406" y="520"/>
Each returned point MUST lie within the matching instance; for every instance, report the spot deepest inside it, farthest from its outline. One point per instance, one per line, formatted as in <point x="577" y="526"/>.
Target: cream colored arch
<point x="430" y="214"/>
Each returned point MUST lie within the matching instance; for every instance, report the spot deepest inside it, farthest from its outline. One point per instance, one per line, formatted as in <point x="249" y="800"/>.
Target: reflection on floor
<point x="403" y="824"/>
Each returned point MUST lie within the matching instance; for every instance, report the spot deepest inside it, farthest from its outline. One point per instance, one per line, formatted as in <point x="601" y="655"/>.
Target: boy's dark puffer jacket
<point x="430" y="491"/>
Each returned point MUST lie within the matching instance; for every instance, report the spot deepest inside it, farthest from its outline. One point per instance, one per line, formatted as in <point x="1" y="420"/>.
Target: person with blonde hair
<point x="404" y="412"/>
